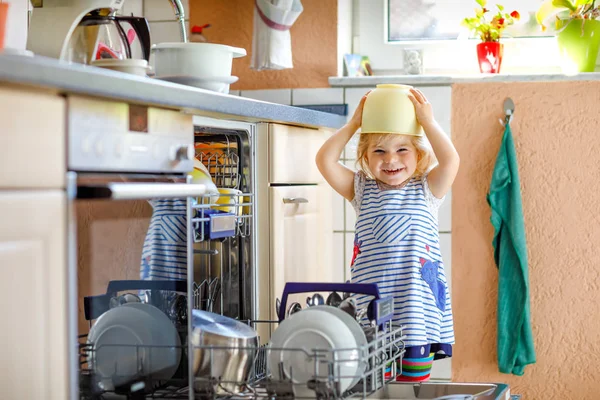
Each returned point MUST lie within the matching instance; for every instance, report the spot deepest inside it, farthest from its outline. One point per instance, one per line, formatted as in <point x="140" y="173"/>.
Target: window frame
<point x="444" y="56"/>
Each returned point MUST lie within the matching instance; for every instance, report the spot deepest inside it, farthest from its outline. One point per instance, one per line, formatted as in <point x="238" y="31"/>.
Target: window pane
<point x="440" y="19"/>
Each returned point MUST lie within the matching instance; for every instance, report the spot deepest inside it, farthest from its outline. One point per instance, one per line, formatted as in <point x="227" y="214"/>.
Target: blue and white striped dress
<point x="397" y="247"/>
<point x="164" y="255"/>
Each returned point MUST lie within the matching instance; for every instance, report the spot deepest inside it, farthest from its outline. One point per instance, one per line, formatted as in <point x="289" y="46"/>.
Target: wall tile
<point x="278" y="96"/>
<point x="445" y="214"/>
<point x="317" y="96"/>
<point x="234" y="92"/>
<point x="133" y="7"/>
<point x="349" y="248"/>
<point x="162" y="32"/>
<point x="338" y="255"/>
<point x="337" y="212"/>
<point x="161" y="10"/>
<point x="442" y="370"/>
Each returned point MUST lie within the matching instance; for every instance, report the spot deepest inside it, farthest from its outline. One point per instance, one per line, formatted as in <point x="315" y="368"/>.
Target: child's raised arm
<point x="340" y="177"/>
<point x="440" y="178"/>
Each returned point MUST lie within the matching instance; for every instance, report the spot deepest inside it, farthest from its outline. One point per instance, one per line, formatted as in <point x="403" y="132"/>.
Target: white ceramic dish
<point x="199" y="60"/>
<point x="165" y="359"/>
<point x="123" y="338"/>
<point x="130" y="66"/>
<point x="215" y="83"/>
<point x="359" y="336"/>
<point x="310" y="329"/>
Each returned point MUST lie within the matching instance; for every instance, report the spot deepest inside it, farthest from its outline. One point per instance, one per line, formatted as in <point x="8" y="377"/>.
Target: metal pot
<point x="224" y="352"/>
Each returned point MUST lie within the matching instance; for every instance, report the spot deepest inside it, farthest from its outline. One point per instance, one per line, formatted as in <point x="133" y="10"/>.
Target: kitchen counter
<point x="447" y="80"/>
<point x="49" y="73"/>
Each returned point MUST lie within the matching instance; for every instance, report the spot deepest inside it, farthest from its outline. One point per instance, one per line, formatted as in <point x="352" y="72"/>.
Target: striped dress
<point x="397" y="246"/>
<point x="164" y="255"/>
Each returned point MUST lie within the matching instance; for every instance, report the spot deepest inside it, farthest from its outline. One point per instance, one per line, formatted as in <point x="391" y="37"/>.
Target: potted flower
<point x="490" y="50"/>
<point x="577" y="31"/>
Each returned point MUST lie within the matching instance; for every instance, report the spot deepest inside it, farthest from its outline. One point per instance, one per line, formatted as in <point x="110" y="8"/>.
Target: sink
<point x="433" y="390"/>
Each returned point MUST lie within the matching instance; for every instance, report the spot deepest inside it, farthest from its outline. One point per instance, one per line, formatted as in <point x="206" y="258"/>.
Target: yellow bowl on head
<point x="388" y="109"/>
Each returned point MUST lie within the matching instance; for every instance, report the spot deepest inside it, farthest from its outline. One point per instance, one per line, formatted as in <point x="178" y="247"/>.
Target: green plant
<point x="490" y="30"/>
<point x="562" y="11"/>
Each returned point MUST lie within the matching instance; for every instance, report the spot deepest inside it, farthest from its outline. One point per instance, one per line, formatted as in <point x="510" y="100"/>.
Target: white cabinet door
<point x="32" y="140"/>
<point x="33" y="295"/>
<point x="301" y="237"/>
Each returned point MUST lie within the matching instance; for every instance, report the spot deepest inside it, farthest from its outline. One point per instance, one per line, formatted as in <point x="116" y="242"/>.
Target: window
<point x="416" y="20"/>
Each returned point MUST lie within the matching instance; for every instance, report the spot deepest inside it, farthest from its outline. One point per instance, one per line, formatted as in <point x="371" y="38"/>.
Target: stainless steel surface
<point x="432" y="390"/>
<point x="140" y="191"/>
<point x="67" y="78"/>
<point x="295" y="200"/>
<point x="334" y="299"/>
<point x="180" y="16"/>
<point x="114" y="136"/>
<point x="233" y="358"/>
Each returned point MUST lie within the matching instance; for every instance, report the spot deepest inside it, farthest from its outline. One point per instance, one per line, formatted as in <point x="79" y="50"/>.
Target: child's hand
<point x="356" y="120"/>
<point x="423" y="108"/>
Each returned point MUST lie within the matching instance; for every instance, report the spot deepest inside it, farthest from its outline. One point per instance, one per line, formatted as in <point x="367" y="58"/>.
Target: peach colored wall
<point x="314" y="42"/>
<point x="558" y="146"/>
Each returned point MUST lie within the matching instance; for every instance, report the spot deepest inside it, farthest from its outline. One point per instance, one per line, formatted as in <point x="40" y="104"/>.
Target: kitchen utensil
<point x="100" y="37"/>
<point x="123" y="299"/>
<point x="309" y="301"/>
<point x="334" y="299"/>
<point x="199" y="60"/>
<point x="201" y="175"/>
<point x="277" y="305"/>
<point x="294" y="308"/>
<point x="232" y="361"/>
<point x="317" y="300"/>
<point x="349" y="306"/>
<point x="296" y="337"/>
<point x="388" y="109"/>
<point x="230" y="196"/>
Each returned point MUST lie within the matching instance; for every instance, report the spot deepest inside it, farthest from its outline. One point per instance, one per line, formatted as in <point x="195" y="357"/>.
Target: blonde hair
<point x="425" y="155"/>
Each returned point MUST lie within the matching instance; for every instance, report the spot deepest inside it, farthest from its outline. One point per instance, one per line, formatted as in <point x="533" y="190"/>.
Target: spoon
<point x="317" y="300"/>
<point x="294" y="308"/>
<point x="349" y="306"/>
<point x="334" y="299"/>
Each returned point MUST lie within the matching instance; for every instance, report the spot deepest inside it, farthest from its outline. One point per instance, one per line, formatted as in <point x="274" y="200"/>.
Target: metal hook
<point x="509" y="111"/>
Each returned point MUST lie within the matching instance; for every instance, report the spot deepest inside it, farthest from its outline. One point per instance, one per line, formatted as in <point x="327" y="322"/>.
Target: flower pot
<point x="578" y="44"/>
<point x="489" y="55"/>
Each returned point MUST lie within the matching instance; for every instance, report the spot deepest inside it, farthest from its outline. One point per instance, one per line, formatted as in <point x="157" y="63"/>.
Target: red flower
<point x="515" y="14"/>
<point x="500" y="21"/>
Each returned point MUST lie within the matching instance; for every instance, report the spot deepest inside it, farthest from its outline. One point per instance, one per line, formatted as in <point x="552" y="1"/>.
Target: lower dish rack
<point x="380" y="357"/>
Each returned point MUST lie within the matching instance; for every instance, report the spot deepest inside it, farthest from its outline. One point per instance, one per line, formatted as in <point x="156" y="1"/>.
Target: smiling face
<point x="392" y="159"/>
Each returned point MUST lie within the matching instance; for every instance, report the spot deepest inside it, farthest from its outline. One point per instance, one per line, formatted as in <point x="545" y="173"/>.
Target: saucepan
<point x="224" y="348"/>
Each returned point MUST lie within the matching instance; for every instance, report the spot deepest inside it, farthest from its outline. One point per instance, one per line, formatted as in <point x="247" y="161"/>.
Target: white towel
<point x="271" y="40"/>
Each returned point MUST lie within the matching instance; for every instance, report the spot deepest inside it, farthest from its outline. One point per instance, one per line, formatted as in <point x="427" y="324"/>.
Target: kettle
<point x="109" y="36"/>
<point x="388" y="109"/>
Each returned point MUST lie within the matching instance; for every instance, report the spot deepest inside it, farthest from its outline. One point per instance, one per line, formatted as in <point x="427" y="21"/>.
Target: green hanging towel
<point x="515" y="339"/>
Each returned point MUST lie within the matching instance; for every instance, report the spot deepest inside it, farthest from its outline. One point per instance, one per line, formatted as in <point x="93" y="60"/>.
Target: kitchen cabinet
<point x="33" y="139"/>
<point x="294" y="212"/>
<point x="33" y="295"/>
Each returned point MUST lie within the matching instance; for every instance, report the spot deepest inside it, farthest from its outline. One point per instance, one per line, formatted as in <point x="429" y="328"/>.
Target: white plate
<point x="307" y="330"/>
<point x="215" y="83"/>
<point x="115" y="335"/>
<point x="165" y="360"/>
<point x="359" y="336"/>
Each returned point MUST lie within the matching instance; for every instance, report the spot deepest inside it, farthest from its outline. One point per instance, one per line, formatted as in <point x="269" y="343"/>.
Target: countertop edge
<point x="87" y="80"/>
<point x="446" y="80"/>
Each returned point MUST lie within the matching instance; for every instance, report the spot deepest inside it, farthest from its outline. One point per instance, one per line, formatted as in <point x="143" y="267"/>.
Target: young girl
<point x="396" y="195"/>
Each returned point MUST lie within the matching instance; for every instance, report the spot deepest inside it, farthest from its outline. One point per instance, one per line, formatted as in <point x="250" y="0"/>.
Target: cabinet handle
<point x="294" y="200"/>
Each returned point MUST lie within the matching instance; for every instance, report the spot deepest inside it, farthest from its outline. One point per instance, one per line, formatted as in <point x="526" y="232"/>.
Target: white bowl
<point x="215" y="83"/>
<point x="307" y="330"/>
<point x="200" y="60"/>
<point x="129" y="65"/>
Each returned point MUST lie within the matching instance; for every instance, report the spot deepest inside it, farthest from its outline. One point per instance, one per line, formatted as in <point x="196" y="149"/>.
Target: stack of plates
<point x="215" y="83"/>
<point x="336" y="335"/>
